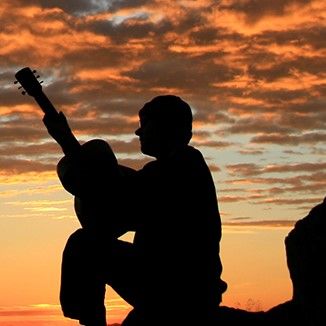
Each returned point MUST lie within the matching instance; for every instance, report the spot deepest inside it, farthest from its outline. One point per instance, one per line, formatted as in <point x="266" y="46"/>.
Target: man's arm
<point x="60" y="131"/>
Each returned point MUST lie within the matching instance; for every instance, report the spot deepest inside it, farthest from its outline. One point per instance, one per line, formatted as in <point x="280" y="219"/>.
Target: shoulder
<point x="194" y="153"/>
<point x="192" y="158"/>
<point x="149" y="168"/>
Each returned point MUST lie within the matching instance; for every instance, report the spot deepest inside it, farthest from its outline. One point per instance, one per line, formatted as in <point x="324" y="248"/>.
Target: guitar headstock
<point x="28" y="81"/>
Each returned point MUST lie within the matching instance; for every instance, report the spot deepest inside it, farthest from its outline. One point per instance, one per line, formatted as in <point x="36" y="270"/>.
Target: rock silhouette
<point x="305" y="251"/>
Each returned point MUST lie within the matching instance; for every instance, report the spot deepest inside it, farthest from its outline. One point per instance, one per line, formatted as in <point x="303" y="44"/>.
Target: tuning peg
<point x="20" y="87"/>
<point x="34" y="71"/>
<point x="23" y="92"/>
<point x="38" y="76"/>
<point x="41" y="82"/>
<point x="16" y="81"/>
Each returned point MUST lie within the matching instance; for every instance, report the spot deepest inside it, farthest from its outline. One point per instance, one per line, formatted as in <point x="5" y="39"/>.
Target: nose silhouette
<point x="137" y="132"/>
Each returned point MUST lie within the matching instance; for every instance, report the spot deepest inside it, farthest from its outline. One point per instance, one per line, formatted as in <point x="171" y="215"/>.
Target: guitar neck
<point x="45" y="104"/>
<point x="68" y="143"/>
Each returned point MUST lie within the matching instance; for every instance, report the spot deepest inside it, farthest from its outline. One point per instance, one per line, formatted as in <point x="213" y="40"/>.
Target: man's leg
<point x="122" y="272"/>
<point x="87" y="266"/>
<point x="82" y="289"/>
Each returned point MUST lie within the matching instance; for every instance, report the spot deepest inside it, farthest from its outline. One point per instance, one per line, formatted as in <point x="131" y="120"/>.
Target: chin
<point x="148" y="150"/>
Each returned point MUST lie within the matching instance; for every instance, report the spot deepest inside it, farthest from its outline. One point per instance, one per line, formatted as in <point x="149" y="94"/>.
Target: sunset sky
<point x="254" y="74"/>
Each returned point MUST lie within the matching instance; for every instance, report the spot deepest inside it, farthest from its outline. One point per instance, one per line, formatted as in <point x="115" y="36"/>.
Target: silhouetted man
<point x="171" y="272"/>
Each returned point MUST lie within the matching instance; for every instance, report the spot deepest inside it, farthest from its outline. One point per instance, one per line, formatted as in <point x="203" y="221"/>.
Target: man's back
<point x="180" y="234"/>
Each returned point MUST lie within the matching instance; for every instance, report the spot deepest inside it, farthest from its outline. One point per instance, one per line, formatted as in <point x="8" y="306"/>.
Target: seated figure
<point x="171" y="271"/>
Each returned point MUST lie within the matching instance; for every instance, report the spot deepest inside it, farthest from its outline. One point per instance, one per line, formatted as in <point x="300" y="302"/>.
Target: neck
<point x="170" y="152"/>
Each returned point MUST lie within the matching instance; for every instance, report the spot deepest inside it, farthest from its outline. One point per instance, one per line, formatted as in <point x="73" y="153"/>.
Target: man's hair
<point x="170" y="111"/>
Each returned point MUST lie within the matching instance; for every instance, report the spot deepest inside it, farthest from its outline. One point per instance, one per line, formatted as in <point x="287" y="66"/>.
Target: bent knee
<point x="78" y="235"/>
<point x="76" y="241"/>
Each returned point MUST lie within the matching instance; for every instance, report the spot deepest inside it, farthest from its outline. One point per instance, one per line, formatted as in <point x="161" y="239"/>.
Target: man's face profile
<point x="150" y="135"/>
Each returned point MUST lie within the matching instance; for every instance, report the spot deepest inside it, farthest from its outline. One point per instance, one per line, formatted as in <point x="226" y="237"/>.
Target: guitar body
<point x="94" y="179"/>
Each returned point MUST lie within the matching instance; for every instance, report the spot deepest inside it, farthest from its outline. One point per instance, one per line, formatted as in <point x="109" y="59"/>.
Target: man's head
<point x="165" y="124"/>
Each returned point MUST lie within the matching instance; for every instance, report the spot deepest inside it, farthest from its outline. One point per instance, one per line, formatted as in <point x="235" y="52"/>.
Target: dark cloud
<point x="115" y="5"/>
<point x="205" y="35"/>
<point x="52" y="148"/>
<point x="301" y="167"/>
<point x="295" y="140"/>
<point x="237" y="198"/>
<point x="291" y="152"/>
<point x="312" y="188"/>
<point x="17" y="159"/>
<point x="311" y="108"/>
<point x="178" y="71"/>
<point x="246" y="169"/>
<point x="318" y="151"/>
<point x="250" y="151"/>
<point x="132" y="146"/>
<point x="212" y="143"/>
<point x="285" y="68"/>
<point x="259" y="9"/>
<point x="262" y="223"/>
<point x="291" y="201"/>
<point x="105" y="126"/>
<point x="214" y="167"/>
<point x="17" y="166"/>
<point x="250" y="125"/>
<point x="227" y="190"/>
<point x="304" y="122"/>
<point x="75" y="7"/>
<point x="138" y="27"/>
<point x="99" y="57"/>
<point x="252" y="169"/>
<point x="22" y="134"/>
<point x="312" y="36"/>
<point x="311" y="183"/>
<point x="209" y="113"/>
<point x="12" y="148"/>
<point x="239" y="218"/>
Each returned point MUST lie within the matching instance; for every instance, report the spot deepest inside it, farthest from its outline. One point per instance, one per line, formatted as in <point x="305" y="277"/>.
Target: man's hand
<point x="57" y="126"/>
<point x="59" y="129"/>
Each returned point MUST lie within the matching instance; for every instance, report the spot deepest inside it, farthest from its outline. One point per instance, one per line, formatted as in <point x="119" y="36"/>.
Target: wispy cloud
<point x="261" y="223"/>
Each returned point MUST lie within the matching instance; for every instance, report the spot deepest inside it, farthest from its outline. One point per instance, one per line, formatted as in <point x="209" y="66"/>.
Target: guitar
<point x="97" y="160"/>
